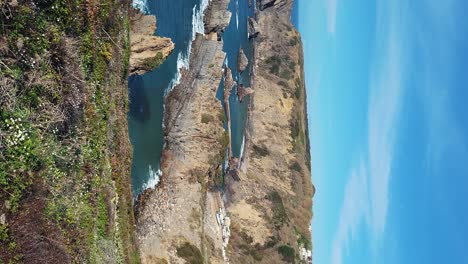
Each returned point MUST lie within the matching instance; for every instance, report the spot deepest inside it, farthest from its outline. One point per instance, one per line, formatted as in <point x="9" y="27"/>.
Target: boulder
<point x="217" y="17"/>
<point x="253" y="28"/>
<point x="242" y="61"/>
<point x="146" y="50"/>
<point x="243" y="92"/>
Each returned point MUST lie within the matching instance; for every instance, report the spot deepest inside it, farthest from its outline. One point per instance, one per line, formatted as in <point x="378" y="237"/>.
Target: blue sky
<point x="387" y="86"/>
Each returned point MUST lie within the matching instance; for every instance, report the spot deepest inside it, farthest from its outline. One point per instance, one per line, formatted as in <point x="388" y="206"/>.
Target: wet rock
<point x="253" y="28"/>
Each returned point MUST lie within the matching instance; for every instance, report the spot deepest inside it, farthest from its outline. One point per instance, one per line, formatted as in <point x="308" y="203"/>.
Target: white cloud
<point x="383" y="110"/>
<point x="355" y="208"/>
<point x="331" y="16"/>
<point x="367" y="191"/>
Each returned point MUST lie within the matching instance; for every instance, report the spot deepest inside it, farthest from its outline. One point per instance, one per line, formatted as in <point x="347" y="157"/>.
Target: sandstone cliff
<point x="268" y="193"/>
<point x="177" y="221"/>
<point x="270" y="206"/>
<point x="146" y="50"/>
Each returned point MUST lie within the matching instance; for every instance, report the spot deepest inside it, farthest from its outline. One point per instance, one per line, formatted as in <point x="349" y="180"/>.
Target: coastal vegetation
<point x="190" y="253"/>
<point x="64" y="150"/>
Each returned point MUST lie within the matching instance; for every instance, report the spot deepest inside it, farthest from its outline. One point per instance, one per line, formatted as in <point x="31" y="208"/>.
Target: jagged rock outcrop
<point x="182" y="210"/>
<point x="243" y="92"/>
<point x="217" y="17"/>
<point x="242" y="61"/>
<point x="146" y="50"/>
<point x="253" y="31"/>
<point x="270" y="199"/>
<point x="284" y="6"/>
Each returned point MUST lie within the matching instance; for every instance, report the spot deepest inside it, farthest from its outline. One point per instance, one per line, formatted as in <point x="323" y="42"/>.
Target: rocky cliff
<point x="147" y="51"/>
<point x="263" y="213"/>
<point x="177" y="221"/>
<point x="270" y="206"/>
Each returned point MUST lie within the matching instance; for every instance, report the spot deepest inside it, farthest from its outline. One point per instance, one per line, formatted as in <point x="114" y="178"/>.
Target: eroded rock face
<point x="283" y="6"/>
<point x="217" y="17"/>
<point x="242" y="61"/>
<point x="253" y="28"/>
<point x="243" y="92"/>
<point x="146" y="50"/>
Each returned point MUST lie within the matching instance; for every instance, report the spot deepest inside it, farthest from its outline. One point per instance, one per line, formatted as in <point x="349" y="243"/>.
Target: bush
<point x="207" y="118"/>
<point x="279" y="217"/>
<point x="271" y="242"/>
<point x="261" y="151"/>
<point x="287" y="252"/>
<point x="283" y="83"/>
<point x="275" y="63"/>
<point x="286" y="74"/>
<point x="155" y="62"/>
<point x="298" y="92"/>
<point x="190" y="253"/>
<point x="296" y="166"/>
<point x="294" y="41"/>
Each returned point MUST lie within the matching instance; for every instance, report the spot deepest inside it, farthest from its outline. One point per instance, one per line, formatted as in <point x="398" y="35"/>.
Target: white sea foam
<point x="183" y="57"/>
<point x="154" y="177"/>
<point x="198" y="26"/>
<point x="141" y="5"/>
<point x="242" y="148"/>
<point x="237" y="14"/>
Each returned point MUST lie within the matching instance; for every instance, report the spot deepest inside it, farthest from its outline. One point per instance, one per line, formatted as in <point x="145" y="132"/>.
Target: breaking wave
<point x="141" y="5"/>
<point x="153" y="180"/>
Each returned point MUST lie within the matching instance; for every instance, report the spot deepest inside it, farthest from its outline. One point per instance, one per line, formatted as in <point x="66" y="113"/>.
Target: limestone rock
<point x="242" y="61"/>
<point x="146" y="50"/>
<point x="253" y="28"/>
<point x="243" y="92"/>
<point x="217" y="17"/>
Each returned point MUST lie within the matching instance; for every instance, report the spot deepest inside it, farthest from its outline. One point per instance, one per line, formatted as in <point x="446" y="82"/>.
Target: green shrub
<point x="207" y="118"/>
<point x="275" y="63"/>
<point x="287" y="252"/>
<point x="261" y="151"/>
<point x="298" y="92"/>
<point x="279" y="217"/>
<point x="294" y="41"/>
<point x="155" y="62"/>
<point x="190" y="253"/>
<point x="272" y="241"/>
<point x="296" y="166"/>
<point x="283" y="83"/>
<point x="286" y="74"/>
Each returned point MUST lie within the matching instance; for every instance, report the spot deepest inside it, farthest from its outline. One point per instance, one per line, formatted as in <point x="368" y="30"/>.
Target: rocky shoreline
<point x="146" y="50"/>
<point x="266" y="202"/>
<point x="181" y="211"/>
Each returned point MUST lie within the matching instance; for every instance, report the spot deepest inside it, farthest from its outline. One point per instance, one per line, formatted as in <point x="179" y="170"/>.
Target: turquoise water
<point x="235" y="37"/>
<point x="175" y="20"/>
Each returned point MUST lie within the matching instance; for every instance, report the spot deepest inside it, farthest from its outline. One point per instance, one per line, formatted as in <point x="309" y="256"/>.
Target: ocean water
<point x="179" y="20"/>
<point x="236" y="37"/>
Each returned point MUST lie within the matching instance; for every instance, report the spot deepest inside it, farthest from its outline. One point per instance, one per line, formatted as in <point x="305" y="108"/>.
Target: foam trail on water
<point x="237" y="14"/>
<point x="183" y="58"/>
<point x="141" y="5"/>
<point x="153" y="180"/>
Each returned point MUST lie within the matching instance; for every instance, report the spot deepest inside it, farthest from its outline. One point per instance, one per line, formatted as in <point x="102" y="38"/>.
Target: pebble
<point x="2" y="219"/>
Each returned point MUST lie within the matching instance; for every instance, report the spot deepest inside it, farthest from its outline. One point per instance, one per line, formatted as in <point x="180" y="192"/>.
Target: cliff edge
<point x="147" y="51"/>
